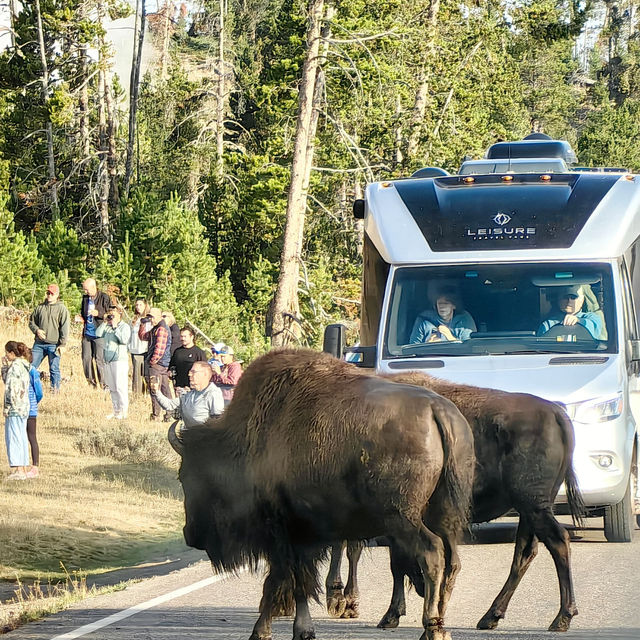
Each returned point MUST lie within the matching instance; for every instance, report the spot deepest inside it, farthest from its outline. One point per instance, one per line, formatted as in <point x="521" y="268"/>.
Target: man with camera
<point x="115" y="336"/>
<point x="156" y="361"/>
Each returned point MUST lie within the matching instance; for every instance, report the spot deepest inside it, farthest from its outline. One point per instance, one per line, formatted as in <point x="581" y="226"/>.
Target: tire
<point x="619" y="518"/>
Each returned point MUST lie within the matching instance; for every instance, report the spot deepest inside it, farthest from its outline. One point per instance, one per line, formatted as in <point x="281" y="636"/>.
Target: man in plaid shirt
<point x="156" y="361"/>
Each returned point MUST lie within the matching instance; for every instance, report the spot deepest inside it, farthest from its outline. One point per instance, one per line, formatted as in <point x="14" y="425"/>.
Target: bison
<point x="312" y="450"/>
<point x="524" y="448"/>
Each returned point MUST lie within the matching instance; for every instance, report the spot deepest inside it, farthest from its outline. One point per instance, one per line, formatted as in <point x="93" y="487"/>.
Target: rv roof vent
<point x="430" y="172"/>
<point x="533" y="148"/>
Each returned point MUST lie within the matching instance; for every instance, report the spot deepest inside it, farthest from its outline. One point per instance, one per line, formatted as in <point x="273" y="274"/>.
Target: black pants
<point x="93" y="361"/>
<point x="33" y="441"/>
<point x="162" y="373"/>
<point x="138" y="384"/>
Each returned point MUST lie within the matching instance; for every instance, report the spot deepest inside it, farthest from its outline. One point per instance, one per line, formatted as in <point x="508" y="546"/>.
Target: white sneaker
<point x="111" y="416"/>
<point x="121" y="416"/>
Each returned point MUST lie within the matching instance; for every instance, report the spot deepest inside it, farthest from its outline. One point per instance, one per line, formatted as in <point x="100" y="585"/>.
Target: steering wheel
<point x="579" y="331"/>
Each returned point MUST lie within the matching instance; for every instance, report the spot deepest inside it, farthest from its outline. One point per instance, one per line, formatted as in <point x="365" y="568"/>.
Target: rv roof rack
<point x="532" y="149"/>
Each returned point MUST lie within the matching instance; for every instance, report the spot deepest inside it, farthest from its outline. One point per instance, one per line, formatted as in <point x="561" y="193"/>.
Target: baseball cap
<point x="226" y="350"/>
<point x="216" y="346"/>
<point x="574" y="290"/>
<point x="53" y="288"/>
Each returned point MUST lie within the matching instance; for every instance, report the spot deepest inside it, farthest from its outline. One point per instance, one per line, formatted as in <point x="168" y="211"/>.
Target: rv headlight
<point x="596" y="410"/>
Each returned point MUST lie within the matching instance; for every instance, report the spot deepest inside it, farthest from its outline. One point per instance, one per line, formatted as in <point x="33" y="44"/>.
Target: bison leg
<point x="451" y="570"/>
<point x="431" y="560"/>
<point x="336" y="603"/>
<point x="525" y="551"/>
<point x="556" y="538"/>
<point x="397" y="606"/>
<point x="302" y="625"/>
<point x="273" y="586"/>
<point x="351" y="591"/>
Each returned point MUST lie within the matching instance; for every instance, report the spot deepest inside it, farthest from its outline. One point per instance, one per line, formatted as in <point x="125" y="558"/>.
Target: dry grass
<point x="89" y="510"/>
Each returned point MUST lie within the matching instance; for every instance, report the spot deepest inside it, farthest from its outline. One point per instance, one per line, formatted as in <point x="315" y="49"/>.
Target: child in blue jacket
<point x="35" y="395"/>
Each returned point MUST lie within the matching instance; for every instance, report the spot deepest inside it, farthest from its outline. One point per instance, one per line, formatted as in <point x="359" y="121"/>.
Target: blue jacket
<point x="35" y="391"/>
<point x="461" y="326"/>
<point x="591" y="321"/>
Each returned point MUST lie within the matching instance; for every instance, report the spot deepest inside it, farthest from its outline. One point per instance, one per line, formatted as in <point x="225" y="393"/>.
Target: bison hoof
<point x="561" y="623"/>
<point x="257" y="636"/>
<point x="488" y="621"/>
<point x="351" y="610"/>
<point x="336" y="603"/>
<point x="304" y="634"/>
<point x="390" y="620"/>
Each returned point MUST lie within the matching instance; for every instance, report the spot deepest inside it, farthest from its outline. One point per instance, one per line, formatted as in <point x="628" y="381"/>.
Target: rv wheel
<point x="619" y="518"/>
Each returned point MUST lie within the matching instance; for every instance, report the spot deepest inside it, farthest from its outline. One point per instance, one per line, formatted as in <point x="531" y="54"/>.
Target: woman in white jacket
<point x="115" y="334"/>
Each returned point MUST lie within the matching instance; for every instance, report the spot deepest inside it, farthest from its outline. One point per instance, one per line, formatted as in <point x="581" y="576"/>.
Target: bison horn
<point x="174" y="440"/>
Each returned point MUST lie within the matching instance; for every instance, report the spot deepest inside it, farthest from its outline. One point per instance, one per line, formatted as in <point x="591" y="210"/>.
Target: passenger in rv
<point x="446" y="321"/>
<point x="570" y="301"/>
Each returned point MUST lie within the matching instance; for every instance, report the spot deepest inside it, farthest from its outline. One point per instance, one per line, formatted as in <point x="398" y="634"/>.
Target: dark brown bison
<point x="524" y="447"/>
<point x="310" y="451"/>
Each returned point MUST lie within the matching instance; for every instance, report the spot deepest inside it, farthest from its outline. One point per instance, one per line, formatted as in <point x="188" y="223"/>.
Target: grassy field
<point x="108" y="495"/>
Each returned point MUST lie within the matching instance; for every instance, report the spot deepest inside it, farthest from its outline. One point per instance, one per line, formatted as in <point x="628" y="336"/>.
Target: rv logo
<point x="502" y="218"/>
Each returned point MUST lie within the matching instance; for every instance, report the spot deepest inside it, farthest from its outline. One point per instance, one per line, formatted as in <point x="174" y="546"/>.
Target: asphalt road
<point x="606" y="579"/>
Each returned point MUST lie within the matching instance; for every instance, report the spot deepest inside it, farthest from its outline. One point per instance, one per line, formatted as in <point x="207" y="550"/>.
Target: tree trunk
<point x="134" y="87"/>
<point x="103" y="171"/>
<point x="220" y="98"/>
<point x="166" y="32"/>
<point x="417" y="117"/>
<point x="112" y="148"/>
<point x="285" y="323"/>
<point x="53" y="186"/>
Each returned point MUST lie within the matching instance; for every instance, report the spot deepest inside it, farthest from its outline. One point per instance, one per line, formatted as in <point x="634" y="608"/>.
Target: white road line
<point x="131" y="611"/>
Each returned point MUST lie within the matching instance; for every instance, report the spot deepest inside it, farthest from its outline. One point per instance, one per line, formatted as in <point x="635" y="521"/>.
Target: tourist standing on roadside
<point x="116" y="333"/>
<point x="156" y="361"/>
<point x="15" y="374"/>
<point x="35" y="395"/>
<point x="95" y="305"/>
<point x="227" y="375"/>
<point x="138" y="347"/>
<point x="183" y="358"/>
<point x="49" y="322"/>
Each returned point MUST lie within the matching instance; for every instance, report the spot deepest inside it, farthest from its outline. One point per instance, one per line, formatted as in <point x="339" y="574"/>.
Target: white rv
<point x="506" y="250"/>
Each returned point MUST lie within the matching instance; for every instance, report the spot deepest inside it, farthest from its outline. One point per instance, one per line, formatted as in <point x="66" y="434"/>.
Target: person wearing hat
<point x="227" y="375"/>
<point x="115" y="334"/>
<point x="50" y="322"/>
<point x="570" y="300"/>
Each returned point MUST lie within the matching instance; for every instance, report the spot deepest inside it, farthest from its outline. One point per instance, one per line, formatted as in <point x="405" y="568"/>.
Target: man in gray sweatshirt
<point x="198" y="405"/>
<point x="49" y="323"/>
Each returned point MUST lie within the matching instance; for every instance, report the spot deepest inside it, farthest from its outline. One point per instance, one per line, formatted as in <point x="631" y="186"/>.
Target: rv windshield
<point x="501" y="309"/>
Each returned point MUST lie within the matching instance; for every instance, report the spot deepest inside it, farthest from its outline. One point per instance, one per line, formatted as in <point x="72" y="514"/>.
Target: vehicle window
<point x="501" y="309"/>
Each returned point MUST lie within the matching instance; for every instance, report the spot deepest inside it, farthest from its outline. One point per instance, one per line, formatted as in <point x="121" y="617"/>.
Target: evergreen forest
<point x="234" y="156"/>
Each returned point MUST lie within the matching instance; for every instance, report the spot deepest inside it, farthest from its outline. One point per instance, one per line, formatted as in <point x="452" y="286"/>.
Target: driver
<point x="569" y="312"/>
<point x="447" y="321"/>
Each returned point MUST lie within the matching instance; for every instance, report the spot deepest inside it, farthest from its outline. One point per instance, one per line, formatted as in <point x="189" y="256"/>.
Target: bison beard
<point x="312" y="450"/>
<point x="524" y="447"/>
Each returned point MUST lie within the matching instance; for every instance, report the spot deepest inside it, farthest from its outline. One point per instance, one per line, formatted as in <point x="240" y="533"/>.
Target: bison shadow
<point x="156" y="479"/>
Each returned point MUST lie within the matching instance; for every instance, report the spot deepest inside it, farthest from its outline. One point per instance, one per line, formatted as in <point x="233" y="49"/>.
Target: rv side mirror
<point x="358" y="209"/>
<point x="334" y="339"/>
<point x="364" y="357"/>
<point x="635" y="350"/>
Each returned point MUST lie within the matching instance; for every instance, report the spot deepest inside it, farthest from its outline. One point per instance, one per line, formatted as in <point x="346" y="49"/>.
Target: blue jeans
<point x="39" y="351"/>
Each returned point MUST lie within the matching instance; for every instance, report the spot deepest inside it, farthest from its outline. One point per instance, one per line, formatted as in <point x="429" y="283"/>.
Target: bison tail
<point x="574" y="497"/>
<point x="459" y="461"/>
